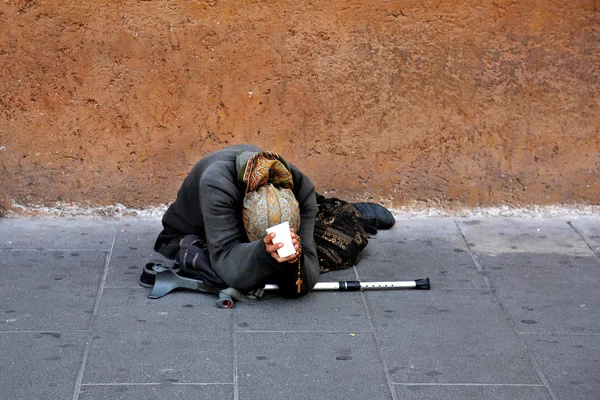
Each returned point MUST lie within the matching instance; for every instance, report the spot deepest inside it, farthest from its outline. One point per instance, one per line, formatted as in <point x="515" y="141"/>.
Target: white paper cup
<point x="283" y="235"/>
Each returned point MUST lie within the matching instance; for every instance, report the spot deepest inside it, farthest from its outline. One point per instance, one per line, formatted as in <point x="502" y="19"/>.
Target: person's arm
<point x="304" y="191"/>
<point x="241" y="265"/>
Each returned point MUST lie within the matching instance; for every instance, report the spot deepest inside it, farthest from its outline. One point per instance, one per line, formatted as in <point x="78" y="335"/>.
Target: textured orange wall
<point x="445" y="103"/>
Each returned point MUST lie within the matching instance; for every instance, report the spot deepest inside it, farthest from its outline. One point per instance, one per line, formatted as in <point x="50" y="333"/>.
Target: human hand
<point x="273" y="247"/>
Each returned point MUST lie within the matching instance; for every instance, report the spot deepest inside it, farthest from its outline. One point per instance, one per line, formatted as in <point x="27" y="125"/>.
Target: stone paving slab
<point x="180" y="338"/>
<point x="39" y="365"/>
<point x="157" y="392"/>
<point x="322" y="311"/>
<point x="71" y="234"/>
<point x="310" y="365"/>
<point x="547" y="293"/>
<point x="589" y="228"/>
<point x="483" y="392"/>
<point x="413" y="255"/>
<point x="435" y="230"/>
<point x="48" y="290"/>
<point x="448" y="336"/>
<point x="318" y="311"/>
<point x="570" y="363"/>
<point x="536" y="236"/>
<point x="134" y="247"/>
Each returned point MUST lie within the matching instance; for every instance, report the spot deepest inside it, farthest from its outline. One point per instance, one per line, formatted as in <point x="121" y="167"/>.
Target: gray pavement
<point x="513" y="313"/>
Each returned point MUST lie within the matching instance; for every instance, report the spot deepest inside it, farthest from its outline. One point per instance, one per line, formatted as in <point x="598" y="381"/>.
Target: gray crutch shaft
<point x="419" y="284"/>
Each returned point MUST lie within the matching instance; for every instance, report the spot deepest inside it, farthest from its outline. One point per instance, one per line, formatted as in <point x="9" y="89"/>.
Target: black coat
<point x="209" y="204"/>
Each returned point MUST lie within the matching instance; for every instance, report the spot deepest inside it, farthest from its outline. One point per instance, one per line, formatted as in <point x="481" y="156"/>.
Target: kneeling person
<point x="228" y="201"/>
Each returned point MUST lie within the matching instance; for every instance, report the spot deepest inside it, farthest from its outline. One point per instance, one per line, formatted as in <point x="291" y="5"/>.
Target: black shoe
<point x="148" y="275"/>
<point x="376" y="214"/>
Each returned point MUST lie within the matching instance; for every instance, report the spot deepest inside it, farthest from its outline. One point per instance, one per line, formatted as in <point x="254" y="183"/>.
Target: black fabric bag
<point x="339" y="234"/>
<point x="194" y="262"/>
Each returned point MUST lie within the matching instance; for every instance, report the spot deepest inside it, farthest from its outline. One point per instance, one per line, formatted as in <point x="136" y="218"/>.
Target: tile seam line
<point x="48" y="331"/>
<point x="505" y="313"/>
<point x="468" y="384"/>
<point x="236" y="383"/>
<point x="157" y="384"/>
<point x="584" y="241"/>
<point x="559" y="334"/>
<point x="97" y="249"/>
<point x="380" y="354"/>
<point x="88" y="342"/>
<point x="249" y="331"/>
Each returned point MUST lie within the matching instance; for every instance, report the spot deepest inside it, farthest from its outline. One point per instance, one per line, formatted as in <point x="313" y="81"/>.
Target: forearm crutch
<point x="226" y="301"/>
<point x="167" y="280"/>
<point x="351" y="286"/>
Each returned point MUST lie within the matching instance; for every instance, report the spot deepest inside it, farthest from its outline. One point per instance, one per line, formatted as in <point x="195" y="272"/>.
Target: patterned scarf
<point x="268" y="200"/>
<point x="266" y="167"/>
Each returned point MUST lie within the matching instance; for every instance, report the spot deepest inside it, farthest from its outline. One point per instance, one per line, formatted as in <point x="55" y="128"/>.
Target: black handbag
<point x="339" y="234"/>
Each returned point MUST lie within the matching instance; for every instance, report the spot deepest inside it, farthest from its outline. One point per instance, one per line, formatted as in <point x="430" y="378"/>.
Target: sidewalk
<point x="513" y="313"/>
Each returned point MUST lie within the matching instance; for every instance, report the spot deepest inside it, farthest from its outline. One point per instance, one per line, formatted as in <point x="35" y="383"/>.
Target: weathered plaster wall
<point x="459" y="102"/>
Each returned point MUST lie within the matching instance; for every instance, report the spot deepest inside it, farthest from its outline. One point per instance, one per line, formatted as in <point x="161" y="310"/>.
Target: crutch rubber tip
<point x="224" y="303"/>
<point x="422" y="284"/>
